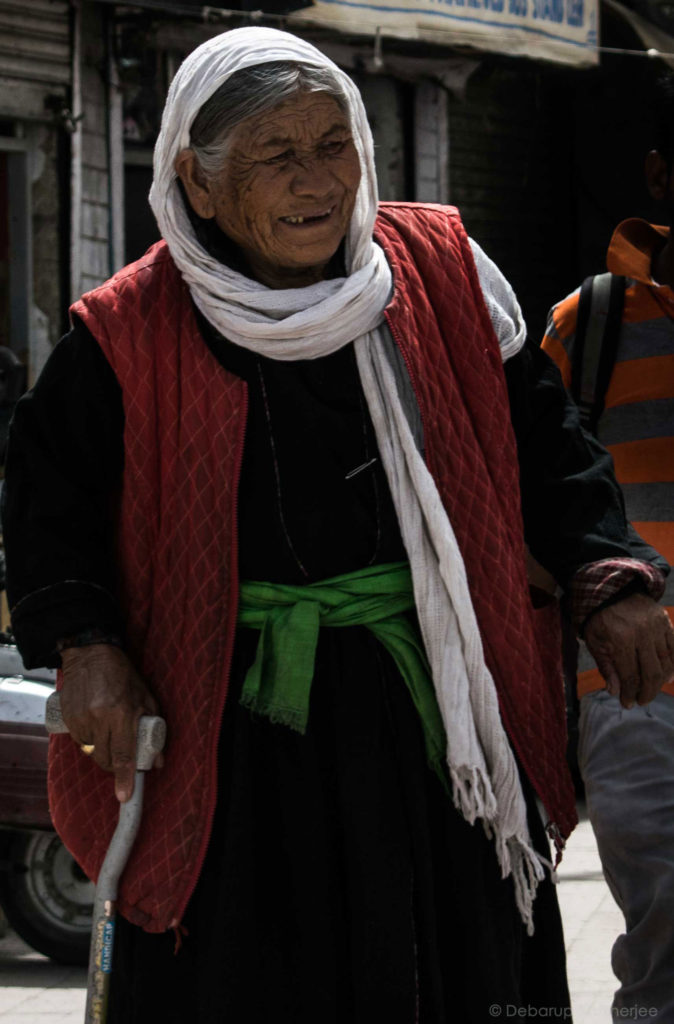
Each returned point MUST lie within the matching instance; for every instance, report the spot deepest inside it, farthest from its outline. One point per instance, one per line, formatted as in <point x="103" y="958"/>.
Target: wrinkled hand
<point x="101" y="701"/>
<point x="632" y="642"/>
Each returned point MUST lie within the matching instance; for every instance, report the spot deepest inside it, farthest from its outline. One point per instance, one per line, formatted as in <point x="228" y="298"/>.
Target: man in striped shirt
<point x="626" y="754"/>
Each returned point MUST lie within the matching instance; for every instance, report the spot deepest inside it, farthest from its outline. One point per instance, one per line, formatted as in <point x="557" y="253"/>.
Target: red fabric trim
<point x="440" y="322"/>
<point x="184" y="421"/>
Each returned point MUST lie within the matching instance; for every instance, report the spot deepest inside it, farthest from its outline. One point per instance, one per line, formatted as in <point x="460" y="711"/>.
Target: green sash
<point x="278" y="683"/>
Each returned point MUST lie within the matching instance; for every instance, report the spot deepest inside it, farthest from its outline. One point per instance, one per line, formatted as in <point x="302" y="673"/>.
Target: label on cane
<point x="106" y="951"/>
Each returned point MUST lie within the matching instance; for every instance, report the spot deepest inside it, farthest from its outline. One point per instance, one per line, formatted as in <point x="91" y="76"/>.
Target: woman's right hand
<point x="101" y="701"/>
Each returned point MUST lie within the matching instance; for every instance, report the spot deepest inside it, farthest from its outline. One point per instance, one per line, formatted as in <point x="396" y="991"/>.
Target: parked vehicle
<point x="46" y="897"/>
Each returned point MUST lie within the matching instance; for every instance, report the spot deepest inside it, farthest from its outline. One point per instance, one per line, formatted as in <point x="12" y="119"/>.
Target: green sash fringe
<point x="278" y="683"/>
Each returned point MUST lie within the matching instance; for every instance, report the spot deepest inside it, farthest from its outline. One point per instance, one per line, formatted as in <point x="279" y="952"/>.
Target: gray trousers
<point x="627" y="762"/>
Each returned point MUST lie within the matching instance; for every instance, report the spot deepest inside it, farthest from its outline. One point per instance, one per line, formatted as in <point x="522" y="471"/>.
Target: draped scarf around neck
<point x="311" y="322"/>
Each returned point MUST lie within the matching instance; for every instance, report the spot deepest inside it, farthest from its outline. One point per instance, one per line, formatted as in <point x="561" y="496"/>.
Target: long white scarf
<point x="307" y="323"/>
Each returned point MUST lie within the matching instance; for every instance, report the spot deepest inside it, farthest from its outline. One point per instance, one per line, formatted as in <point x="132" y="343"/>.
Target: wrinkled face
<point x="287" y="189"/>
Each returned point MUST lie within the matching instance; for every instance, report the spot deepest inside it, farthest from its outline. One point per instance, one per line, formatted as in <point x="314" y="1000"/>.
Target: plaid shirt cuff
<point x="597" y="583"/>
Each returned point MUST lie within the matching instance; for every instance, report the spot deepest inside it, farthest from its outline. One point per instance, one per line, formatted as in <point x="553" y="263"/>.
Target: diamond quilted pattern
<point x="184" y="425"/>
<point x="184" y="421"/>
<point x="440" y="322"/>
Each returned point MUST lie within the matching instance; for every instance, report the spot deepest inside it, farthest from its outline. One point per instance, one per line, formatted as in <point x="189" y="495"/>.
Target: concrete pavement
<point x="591" y="924"/>
<point x="33" y="990"/>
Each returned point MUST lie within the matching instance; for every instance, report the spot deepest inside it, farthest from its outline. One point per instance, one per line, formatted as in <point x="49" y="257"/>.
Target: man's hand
<point x="101" y="701"/>
<point x="632" y="642"/>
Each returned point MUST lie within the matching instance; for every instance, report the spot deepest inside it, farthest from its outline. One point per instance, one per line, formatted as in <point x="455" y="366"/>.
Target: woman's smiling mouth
<point x="308" y="218"/>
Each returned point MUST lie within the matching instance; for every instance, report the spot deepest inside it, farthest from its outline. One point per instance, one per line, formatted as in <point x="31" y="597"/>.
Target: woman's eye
<point x="280" y="158"/>
<point x="334" y="147"/>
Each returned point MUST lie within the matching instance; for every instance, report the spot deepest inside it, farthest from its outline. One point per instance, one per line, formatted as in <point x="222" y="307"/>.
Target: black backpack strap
<point x="582" y="318"/>
<point x="600" y="308"/>
<point x="609" y="349"/>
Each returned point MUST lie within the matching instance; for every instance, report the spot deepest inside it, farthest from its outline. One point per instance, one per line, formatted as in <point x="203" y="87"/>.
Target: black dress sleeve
<point x="62" y="477"/>
<point x="572" y="505"/>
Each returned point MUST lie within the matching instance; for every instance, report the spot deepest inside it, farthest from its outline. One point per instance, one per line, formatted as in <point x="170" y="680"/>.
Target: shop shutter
<point x="34" y="55"/>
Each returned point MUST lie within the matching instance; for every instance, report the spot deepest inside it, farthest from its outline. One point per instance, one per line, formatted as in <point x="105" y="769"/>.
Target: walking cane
<point x="151" y="736"/>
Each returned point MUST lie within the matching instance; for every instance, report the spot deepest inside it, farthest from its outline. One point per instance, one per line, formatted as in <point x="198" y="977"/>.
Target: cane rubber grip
<point x="53" y="719"/>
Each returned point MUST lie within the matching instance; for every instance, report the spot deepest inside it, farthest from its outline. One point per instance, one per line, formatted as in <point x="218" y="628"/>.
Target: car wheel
<point x="47" y="898"/>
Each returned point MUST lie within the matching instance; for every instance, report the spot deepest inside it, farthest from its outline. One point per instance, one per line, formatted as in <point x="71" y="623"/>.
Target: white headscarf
<point x="306" y="323"/>
<point x="236" y="304"/>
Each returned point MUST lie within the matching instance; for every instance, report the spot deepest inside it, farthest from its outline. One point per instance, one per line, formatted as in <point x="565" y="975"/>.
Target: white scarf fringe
<point x="308" y="323"/>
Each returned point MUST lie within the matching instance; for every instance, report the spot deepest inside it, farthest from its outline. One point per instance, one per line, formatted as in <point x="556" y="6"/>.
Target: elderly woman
<point x="268" y="485"/>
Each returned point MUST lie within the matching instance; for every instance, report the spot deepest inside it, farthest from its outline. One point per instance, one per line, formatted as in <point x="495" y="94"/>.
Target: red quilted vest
<point x="184" y="433"/>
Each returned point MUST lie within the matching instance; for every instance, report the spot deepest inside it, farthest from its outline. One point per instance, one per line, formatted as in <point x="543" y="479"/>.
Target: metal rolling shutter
<point x="34" y="55"/>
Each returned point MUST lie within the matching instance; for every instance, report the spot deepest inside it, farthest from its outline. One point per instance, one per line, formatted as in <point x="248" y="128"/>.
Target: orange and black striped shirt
<point x="637" y="425"/>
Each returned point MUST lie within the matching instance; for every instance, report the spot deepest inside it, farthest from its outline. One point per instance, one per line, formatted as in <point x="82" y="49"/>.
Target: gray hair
<point x="250" y="92"/>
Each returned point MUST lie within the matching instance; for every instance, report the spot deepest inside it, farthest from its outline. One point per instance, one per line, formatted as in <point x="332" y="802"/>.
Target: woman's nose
<point x="311" y="178"/>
